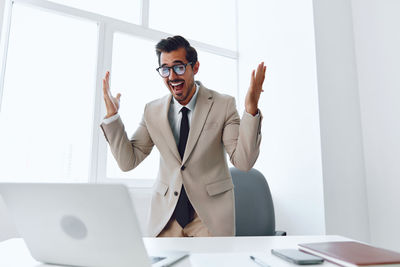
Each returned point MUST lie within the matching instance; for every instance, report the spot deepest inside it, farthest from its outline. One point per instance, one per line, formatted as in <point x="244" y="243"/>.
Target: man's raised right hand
<point x="112" y="103"/>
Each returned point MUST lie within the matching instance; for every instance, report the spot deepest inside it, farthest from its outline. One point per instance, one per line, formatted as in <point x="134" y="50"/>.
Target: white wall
<point x="346" y="207"/>
<point x="281" y="33"/>
<point x="377" y="42"/>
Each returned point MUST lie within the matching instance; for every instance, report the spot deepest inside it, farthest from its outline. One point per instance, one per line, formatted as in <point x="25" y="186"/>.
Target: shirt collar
<point x="191" y="105"/>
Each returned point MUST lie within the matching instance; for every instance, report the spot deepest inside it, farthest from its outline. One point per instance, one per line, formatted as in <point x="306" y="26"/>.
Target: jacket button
<point x="175" y="193"/>
<point x="183" y="167"/>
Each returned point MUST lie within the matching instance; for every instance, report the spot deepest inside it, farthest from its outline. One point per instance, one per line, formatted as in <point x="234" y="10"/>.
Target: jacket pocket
<point x="160" y="188"/>
<point x="219" y="187"/>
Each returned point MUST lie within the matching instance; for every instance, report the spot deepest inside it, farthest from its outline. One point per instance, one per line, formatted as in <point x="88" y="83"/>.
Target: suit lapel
<point x="166" y="128"/>
<point x="203" y="105"/>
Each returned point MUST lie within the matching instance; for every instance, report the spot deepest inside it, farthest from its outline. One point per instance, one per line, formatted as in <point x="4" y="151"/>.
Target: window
<point x="133" y="74"/>
<point x="127" y="10"/>
<point x="56" y="54"/>
<point x="213" y="68"/>
<point x="47" y="104"/>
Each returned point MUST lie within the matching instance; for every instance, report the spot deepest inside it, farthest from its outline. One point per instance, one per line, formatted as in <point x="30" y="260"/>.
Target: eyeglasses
<point x="179" y="69"/>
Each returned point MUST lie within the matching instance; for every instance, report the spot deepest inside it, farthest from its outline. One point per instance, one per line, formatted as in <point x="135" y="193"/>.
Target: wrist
<point x="110" y="115"/>
<point x="252" y="110"/>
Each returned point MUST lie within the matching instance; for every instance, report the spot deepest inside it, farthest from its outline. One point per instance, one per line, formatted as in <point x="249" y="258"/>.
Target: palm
<point x="255" y="89"/>
<point x="112" y="103"/>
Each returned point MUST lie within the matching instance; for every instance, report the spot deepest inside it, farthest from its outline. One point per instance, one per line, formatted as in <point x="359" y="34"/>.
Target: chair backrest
<point x="254" y="209"/>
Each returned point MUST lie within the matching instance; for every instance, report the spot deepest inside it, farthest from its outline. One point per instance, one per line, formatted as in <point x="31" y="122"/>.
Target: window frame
<point x="107" y="26"/>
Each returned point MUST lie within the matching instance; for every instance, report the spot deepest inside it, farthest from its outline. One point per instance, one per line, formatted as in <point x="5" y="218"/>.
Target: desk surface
<point x="207" y="251"/>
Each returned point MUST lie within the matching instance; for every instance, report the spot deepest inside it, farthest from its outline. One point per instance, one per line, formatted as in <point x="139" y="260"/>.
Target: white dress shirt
<point x="175" y="114"/>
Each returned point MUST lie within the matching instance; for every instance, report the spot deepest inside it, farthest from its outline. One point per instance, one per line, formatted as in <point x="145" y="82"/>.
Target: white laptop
<point x="91" y="225"/>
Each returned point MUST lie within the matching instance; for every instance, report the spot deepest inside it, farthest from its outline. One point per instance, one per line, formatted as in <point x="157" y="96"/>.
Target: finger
<point x="106" y="93"/>
<point x="261" y="66"/>
<point x="106" y="88"/>
<point x="106" y="77"/>
<point x="259" y="69"/>
<point x="263" y="76"/>
<point x="258" y="79"/>
<point x="118" y="96"/>
<point x="108" y="80"/>
<point x="252" y="79"/>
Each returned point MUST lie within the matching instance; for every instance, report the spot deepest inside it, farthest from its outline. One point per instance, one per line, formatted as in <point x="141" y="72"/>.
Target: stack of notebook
<point x="352" y="254"/>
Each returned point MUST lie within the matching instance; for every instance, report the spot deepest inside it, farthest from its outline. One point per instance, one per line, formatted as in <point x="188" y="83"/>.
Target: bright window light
<point x="48" y="100"/>
<point x="46" y="114"/>
<point x="217" y="73"/>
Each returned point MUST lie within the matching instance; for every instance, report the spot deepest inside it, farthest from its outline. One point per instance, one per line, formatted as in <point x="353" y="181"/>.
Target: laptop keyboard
<point x="156" y="259"/>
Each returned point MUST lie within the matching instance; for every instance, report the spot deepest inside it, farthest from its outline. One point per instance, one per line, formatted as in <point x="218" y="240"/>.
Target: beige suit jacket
<point x="216" y="129"/>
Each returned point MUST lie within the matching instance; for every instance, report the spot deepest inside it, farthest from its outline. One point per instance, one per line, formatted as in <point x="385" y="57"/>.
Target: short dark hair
<point x="173" y="43"/>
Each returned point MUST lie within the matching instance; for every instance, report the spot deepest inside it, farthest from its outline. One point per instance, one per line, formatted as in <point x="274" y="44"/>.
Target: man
<point x="192" y="128"/>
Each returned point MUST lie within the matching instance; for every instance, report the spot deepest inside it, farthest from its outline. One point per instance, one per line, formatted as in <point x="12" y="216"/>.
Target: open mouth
<point x="177" y="86"/>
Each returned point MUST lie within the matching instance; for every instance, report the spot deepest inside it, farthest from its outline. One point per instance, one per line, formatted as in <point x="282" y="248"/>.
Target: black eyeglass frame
<point x="173" y="68"/>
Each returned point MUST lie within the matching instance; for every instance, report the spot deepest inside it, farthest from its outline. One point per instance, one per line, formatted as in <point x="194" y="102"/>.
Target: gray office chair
<point x="255" y="215"/>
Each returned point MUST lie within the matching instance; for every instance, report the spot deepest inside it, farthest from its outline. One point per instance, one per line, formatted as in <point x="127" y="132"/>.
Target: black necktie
<point x="183" y="209"/>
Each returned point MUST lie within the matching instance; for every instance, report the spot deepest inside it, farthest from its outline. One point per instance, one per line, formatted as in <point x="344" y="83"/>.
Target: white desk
<point x="207" y="251"/>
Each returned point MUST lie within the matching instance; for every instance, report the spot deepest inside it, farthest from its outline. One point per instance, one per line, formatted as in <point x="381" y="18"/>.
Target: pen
<point x="259" y="262"/>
